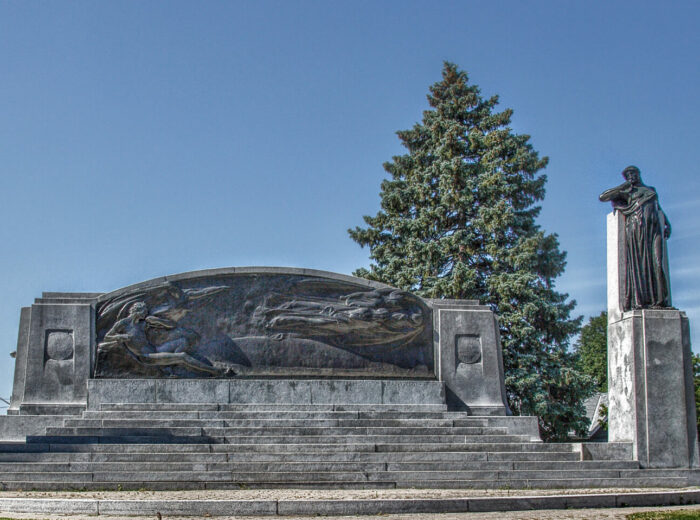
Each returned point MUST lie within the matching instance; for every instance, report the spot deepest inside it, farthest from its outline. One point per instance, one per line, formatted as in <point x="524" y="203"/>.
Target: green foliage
<point x="592" y="350"/>
<point x="603" y="416"/>
<point x="458" y="220"/>
<point x="696" y="377"/>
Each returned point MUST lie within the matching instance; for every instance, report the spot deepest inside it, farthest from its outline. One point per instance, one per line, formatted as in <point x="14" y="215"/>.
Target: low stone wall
<point x="265" y="391"/>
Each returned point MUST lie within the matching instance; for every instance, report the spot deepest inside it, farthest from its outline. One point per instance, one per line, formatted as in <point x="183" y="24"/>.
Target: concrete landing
<point x="297" y="502"/>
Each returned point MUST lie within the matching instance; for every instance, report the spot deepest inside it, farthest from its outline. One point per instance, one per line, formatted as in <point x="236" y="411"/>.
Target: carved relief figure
<point x="133" y="334"/>
<point x="168" y="300"/>
<point x="361" y="318"/>
<point x="262" y="324"/>
<point x="646" y="228"/>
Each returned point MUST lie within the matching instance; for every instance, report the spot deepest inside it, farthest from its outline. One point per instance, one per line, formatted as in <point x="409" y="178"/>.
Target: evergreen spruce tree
<point x="458" y="220"/>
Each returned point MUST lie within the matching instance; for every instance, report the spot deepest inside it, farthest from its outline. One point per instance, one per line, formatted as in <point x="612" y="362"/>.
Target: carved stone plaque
<point x="468" y="349"/>
<point x="287" y="323"/>
<point x="59" y="345"/>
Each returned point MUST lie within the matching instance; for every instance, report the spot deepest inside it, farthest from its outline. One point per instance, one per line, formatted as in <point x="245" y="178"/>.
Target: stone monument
<point x="650" y="379"/>
<point x="247" y="335"/>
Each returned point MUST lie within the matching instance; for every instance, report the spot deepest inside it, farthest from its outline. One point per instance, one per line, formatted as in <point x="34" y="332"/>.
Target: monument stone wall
<point x="242" y="335"/>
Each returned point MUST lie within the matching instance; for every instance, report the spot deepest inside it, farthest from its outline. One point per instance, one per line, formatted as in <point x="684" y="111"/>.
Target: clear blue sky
<point x="139" y="139"/>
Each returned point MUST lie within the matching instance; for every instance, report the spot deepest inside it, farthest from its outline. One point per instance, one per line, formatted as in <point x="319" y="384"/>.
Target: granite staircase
<point x="233" y="446"/>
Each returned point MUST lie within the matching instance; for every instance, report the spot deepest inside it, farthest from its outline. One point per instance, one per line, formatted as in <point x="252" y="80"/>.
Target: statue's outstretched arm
<point x="162" y="323"/>
<point x="614" y="193"/>
<point x="116" y="333"/>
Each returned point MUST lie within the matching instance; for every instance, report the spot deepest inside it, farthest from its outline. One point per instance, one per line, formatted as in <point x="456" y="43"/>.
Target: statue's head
<point x="138" y="311"/>
<point x="632" y="174"/>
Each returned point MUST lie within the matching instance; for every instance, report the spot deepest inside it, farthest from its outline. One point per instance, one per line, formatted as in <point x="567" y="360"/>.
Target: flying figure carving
<point x="133" y="333"/>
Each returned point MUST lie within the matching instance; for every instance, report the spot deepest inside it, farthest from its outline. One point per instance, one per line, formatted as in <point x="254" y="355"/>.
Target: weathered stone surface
<point x="615" y="264"/>
<point x="120" y="391"/>
<point x="607" y="451"/>
<point x="59" y="353"/>
<point x="20" y="362"/>
<point x="49" y="506"/>
<point x="469" y="356"/>
<point x="423" y="392"/>
<point x="192" y="391"/>
<point x="17" y="427"/>
<point x="650" y="388"/>
<point x="187" y="507"/>
<point x="264" y="391"/>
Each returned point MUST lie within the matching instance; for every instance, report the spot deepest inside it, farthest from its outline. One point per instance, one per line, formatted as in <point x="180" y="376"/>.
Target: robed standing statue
<point x="646" y="229"/>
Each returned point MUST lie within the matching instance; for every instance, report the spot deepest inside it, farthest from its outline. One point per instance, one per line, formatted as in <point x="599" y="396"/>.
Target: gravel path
<point x="569" y="514"/>
<point x="301" y="494"/>
<point x="321" y="494"/>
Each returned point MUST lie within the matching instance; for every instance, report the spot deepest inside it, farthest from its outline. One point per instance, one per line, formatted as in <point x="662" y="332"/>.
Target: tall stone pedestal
<point x="650" y="377"/>
<point x="650" y="388"/>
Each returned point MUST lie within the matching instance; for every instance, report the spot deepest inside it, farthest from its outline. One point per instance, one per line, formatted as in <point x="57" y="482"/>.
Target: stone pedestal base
<point x="650" y="387"/>
<point x="468" y="357"/>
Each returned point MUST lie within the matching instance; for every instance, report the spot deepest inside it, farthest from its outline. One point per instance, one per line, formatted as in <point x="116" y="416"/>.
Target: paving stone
<point x="49" y="506"/>
<point x="188" y="507"/>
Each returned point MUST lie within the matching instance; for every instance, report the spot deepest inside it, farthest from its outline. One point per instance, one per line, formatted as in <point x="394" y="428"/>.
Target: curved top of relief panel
<point x="240" y="271"/>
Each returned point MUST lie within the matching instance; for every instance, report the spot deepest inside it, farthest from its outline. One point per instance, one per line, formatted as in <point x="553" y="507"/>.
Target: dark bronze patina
<point x="263" y="324"/>
<point x="646" y="229"/>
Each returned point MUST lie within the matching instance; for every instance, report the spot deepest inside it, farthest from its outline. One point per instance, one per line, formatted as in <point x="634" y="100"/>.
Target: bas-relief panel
<point x="263" y="324"/>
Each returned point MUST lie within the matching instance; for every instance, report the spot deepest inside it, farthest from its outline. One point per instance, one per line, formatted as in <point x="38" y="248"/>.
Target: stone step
<point x="534" y="456"/>
<point x="340" y="475"/>
<point x="120" y="437"/>
<point x="60" y="485"/>
<point x="111" y="421"/>
<point x="82" y="447"/>
<point x="139" y="445"/>
<point x="497" y="451"/>
<point x="222" y="428"/>
<point x="271" y="407"/>
<point x="483" y="446"/>
<point x="156" y="435"/>
<point x="405" y="456"/>
<point x="35" y="467"/>
<point x="511" y="465"/>
<point x="126" y="431"/>
<point x="298" y="415"/>
<point x="620" y="483"/>
<point x="70" y="457"/>
<point x="399" y="476"/>
<point x="370" y="412"/>
<point x="412" y="478"/>
<point x="653" y="472"/>
<point x="47" y="476"/>
<point x="629" y="469"/>
<point x="514" y="459"/>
